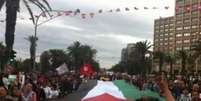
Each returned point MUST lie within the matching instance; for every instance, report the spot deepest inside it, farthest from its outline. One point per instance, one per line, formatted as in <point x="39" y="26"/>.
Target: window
<point x="170" y="43"/>
<point x="178" y="48"/>
<point x="186" y="21"/>
<point x="166" y="39"/>
<point x="170" y="38"/>
<point x="166" y="25"/>
<point x="179" y="28"/>
<point x="161" y="39"/>
<point x="179" y="15"/>
<point x="194" y="26"/>
<point x="161" y="34"/>
<point x="187" y="27"/>
<point x="161" y="44"/>
<point x="178" y="42"/>
<point x="171" y="29"/>
<point x="186" y="41"/>
<point x="156" y="40"/>
<point x="194" y="40"/>
<point x="166" y="30"/>
<point x="194" y="12"/>
<point x="171" y="24"/>
<point x="166" y="34"/>
<point x="165" y="43"/>
<point x="178" y="35"/>
<point x="186" y="34"/>
<point x="186" y="48"/>
<point x="161" y="30"/>
<point x="194" y="33"/>
<point x="170" y="33"/>
<point x="179" y="22"/>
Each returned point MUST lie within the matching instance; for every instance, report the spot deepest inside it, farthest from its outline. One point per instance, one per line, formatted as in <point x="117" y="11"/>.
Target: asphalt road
<point x="82" y="91"/>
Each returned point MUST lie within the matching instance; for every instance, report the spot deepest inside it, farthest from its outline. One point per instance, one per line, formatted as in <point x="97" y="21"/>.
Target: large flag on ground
<point x="62" y="69"/>
<point x="117" y="90"/>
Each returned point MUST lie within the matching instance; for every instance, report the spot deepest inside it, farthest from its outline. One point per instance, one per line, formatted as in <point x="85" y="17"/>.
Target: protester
<point x="28" y="93"/>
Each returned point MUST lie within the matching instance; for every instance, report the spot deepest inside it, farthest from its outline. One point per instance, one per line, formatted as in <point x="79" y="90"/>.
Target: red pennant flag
<point x="136" y="8"/>
<point x="127" y="9"/>
<point x="166" y="7"/>
<point x="83" y="15"/>
<point x="91" y="15"/>
<point x="100" y="11"/>
<point x="86" y="69"/>
<point x="67" y="12"/>
<point x="146" y="8"/>
<point x="118" y="10"/>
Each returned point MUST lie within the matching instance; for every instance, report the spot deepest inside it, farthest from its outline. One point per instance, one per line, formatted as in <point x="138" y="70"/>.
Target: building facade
<point x="125" y="53"/>
<point x="180" y="31"/>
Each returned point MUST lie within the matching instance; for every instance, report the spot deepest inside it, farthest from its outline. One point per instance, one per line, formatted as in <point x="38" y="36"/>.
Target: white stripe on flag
<point x="105" y="87"/>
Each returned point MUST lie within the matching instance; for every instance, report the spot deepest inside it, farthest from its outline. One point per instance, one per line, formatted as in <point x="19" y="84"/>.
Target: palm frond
<point x="1" y="3"/>
<point x="42" y="6"/>
<point x="48" y="5"/>
<point x="37" y="5"/>
<point x="30" y="11"/>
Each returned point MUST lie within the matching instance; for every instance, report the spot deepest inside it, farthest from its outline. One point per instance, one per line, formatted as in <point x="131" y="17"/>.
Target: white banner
<point x="62" y="69"/>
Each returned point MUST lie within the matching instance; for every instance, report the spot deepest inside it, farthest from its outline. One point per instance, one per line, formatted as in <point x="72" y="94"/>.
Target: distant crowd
<point x="39" y="87"/>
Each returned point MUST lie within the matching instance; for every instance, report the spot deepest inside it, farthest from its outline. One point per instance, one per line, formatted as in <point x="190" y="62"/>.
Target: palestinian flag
<point x="117" y="90"/>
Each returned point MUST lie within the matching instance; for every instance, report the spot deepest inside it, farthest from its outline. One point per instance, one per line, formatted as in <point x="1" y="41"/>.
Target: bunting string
<point x="85" y="15"/>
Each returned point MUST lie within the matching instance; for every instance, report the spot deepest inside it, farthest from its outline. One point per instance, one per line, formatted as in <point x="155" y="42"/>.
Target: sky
<point x="106" y="32"/>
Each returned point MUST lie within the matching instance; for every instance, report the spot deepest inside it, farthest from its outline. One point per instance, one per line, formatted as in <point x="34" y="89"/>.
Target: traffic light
<point x="10" y="56"/>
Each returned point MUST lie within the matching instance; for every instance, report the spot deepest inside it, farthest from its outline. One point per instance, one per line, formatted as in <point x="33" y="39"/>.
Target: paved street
<point x="82" y="91"/>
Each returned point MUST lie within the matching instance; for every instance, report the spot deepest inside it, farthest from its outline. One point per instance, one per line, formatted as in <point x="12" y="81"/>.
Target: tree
<point x="170" y="59"/>
<point x="141" y="49"/>
<point x="183" y="56"/>
<point x="196" y="50"/>
<point x="160" y="56"/>
<point x="12" y="6"/>
<point x="80" y="54"/>
<point x="2" y="55"/>
<point x="52" y="59"/>
<point x="32" y="39"/>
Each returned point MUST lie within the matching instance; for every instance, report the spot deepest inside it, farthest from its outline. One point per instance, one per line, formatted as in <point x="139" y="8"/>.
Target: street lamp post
<point x="36" y="24"/>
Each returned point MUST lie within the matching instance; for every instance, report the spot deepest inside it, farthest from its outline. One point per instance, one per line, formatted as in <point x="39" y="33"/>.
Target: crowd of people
<point x="41" y="87"/>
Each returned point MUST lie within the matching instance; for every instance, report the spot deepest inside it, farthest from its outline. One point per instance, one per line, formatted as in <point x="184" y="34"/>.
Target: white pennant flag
<point x="62" y="69"/>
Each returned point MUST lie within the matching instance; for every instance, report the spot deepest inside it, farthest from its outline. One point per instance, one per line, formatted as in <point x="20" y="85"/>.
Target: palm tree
<point x="196" y="49"/>
<point x="183" y="56"/>
<point x="142" y="48"/>
<point x="32" y="39"/>
<point x="81" y="54"/>
<point x="170" y="59"/>
<point x="161" y="57"/>
<point x="12" y="7"/>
